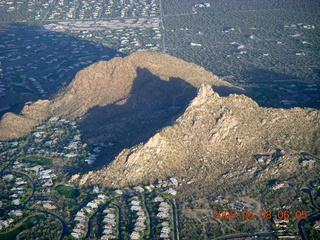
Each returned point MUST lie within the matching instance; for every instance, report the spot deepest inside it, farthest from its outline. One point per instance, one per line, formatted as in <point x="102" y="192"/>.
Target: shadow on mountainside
<point x="35" y="63"/>
<point x="272" y="89"/>
<point x="152" y="104"/>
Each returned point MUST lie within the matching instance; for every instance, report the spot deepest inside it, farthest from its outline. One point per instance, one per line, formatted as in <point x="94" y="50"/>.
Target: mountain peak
<point x="204" y="92"/>
<point x="107" y="83"/>
<point x="215" y="135"/>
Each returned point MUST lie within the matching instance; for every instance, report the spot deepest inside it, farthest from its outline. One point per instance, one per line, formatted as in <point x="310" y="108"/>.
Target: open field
<point x="37" y="160"/>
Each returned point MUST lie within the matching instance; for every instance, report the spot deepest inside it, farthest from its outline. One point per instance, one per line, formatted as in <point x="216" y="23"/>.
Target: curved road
<point x="63" y="223"/>
<point x="90" y="219"/>
<point x="311" y="217"/>
<point x="33" y="186"/>
<point x="5" y="167"/>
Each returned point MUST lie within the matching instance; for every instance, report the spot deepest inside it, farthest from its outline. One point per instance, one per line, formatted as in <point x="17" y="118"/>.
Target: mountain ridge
<point x="103" y="83"/>
<point x="216" y="138"/>
<point x="148" y="107"/>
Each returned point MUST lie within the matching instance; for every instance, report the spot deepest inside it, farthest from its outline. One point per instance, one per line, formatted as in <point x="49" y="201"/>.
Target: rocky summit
<point x="148" y="81"/>
<point x="156" y="140"/>
<point x="215" y="141"/>
<point x="166" y="117"/>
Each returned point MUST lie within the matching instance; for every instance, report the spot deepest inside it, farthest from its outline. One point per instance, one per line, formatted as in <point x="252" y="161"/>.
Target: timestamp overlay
<point x="284" y="215"/>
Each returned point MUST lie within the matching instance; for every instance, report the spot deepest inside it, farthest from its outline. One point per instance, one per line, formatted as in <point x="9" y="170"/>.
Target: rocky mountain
<point x="148" y="106"/>
<point x="140" y="82"/>
<point x="216" y="141"/>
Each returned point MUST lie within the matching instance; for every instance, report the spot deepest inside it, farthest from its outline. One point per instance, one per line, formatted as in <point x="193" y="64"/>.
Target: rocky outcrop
<point x="216" y="138"/>
<point x="109" y="82"/>
<point x="13" y="126"/>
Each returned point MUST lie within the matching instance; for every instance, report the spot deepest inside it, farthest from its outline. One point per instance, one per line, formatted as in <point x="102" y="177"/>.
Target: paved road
<point x="49" y="11"/>
<point x="257" y="213"/>
<point x="149" y="216"/>
<point x="5" y="167"/>
<point x="63" y="223"/>
<point x="175" y="220"/>
<point x="119" y="215"/>
<point x="32" y="183"/>
<point x="90" y="219"/>
<point x="180" y="14"/>
<point x="311" y="217"/>
<point x="248" y="235"/>
<point x="162" y="26"/>
<point x="308" y="191"/>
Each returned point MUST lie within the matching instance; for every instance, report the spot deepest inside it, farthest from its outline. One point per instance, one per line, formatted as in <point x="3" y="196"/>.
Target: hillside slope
<point x="113" y="82"/>
<point x="216" y="139"/>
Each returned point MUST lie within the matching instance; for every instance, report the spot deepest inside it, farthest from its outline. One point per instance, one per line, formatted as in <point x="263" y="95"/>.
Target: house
<point x="140" y="213"/>
<point x="109" y="210"/>
<point x="96" y="189"/>
<point x="70" y="155"/>
<point x="19" y="181"/>
<point x="80" y="214"/>
<point x="164" y="204"/>
<point x="16" y="201"/>
<point x="279" y="185"/>
<point x="119" y="192"/>
<point x="88" y="210"/>
<point x="79" y="219"/>
<point x="92" y="205"/>
<point x="108" y="231"/>
<point x="136" y="208"/>
<point x="165" y="224"/>
<point x="8" y="177"/>
<point x="108" y="236"/>
<point x="110" y="216"/>
<point x="263" y="158"/>
<point x="48" y="205"/>
<point x="141" y="219"/>
<point x="309" y="163"/>
<point x="135" y="203"/>
<point x="316" y="225"/>
<point x="164" y="235"/>
<point x="135" y="235"/>
<point x="75" y="235"/>
<point x="17" y="213"/>
<point x="109" y="221"/>
<point x="165" y="230"/>
<point x="171" y="191"/>
<point x="195" y="44"/>
<point x="47" y="183"/>
<point x="108" y="226"/>
<point x="162" y="215"/>
<point x="281" y="222"/>
<point x="139" y="189"/>
<point x="158" y="199"/>
<point x="163" y="209"/>
<point x="140" y="224"/>
<point x="101" y="196"/>
<point x="78" y="230"/>
<point x="174" y="181"/>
